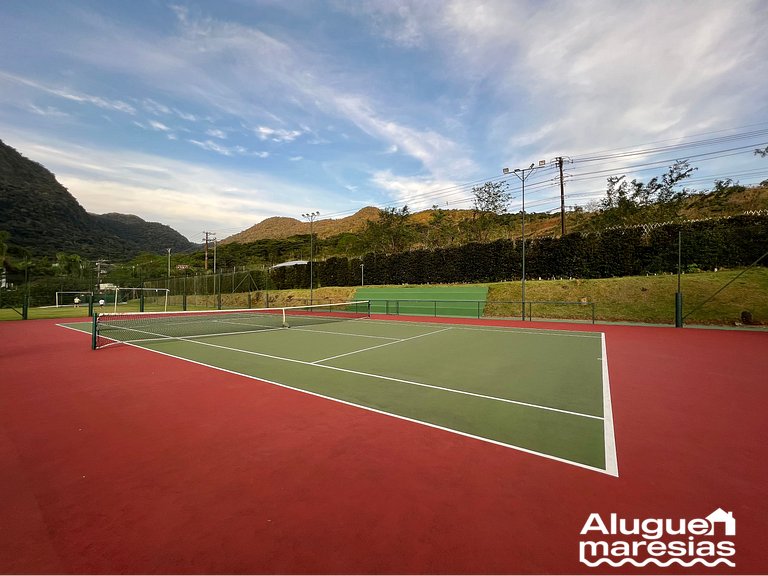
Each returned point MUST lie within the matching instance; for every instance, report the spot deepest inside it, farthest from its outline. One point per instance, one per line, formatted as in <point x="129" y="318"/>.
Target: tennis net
<point x="111" y="328"/>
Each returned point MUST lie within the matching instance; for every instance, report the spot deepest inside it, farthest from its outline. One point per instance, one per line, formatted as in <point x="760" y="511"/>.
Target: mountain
<point x="43" y="217"/>
<point x="279" y="227"/>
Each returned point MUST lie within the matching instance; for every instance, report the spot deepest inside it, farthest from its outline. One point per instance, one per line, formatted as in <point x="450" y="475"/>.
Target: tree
<point x="392" y="232"/>
<point x="491" y="197"/>
<point x="628" y="203"/>
<point x="440" y="231"/>
<point x="490" y="200"/>
<point x="69" y="264"/>
<point x="4" y="237"/>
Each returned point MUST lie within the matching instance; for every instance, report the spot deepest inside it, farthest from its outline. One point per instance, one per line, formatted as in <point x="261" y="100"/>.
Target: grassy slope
<point x="651" y="299"/>
<point x="648" y="299"/>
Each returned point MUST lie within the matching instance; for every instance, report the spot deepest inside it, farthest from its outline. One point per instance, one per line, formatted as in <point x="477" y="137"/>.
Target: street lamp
<point x="522" y="174"/>
<point x="362" y="274"/>
<point x="311" y="217"/>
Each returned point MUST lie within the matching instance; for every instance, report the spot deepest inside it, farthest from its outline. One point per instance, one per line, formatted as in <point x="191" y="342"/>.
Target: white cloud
<point x="438" y="154"/>
<point x="212" y="146"/>
<point x="608" y="72"/>
<point x="216" y="133"/>
<point x="159" y="126"/>
<point x="49" y="111"/>
<point x="420" y="193"/>
<point x="399" y="22"/>
<point x="73" y="95"/>
<point x="154" y="107"/>
<point x="276" y="134"/>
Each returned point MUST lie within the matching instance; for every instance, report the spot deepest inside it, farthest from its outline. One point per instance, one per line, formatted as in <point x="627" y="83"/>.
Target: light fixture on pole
<point x="311" y="217"/>
<point x="362" y="274"/>
<point x="522" y="174"/>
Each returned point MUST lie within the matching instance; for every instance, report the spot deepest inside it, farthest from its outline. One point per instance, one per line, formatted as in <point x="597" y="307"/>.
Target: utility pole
<point x="559" y="161"/>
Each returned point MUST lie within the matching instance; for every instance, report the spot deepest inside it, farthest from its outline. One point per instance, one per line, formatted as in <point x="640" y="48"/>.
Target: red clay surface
<point x="126" y="461"/>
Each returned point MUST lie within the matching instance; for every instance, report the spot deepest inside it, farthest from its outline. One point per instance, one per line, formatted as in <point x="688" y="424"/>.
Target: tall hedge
<point x="709" y="244"/>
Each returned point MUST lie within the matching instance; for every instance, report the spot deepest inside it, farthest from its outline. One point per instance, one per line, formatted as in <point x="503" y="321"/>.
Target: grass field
<point x="642" y="299"/>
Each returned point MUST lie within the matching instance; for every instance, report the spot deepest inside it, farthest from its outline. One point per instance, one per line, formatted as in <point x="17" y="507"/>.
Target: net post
<point x="94" y="329"/>
<point x="141" y="301"/>
<point x="285" y="319"/>
<point x="678" y="309"/>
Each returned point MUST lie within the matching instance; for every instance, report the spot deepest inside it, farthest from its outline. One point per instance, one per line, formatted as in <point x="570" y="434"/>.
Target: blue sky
<point x="213" y="115"/>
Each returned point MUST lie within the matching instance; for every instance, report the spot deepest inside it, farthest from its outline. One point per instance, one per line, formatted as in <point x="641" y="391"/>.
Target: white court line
<point x="392" y="379"/>
<point x="611" y="459"/>
<point x="380" y="345"/>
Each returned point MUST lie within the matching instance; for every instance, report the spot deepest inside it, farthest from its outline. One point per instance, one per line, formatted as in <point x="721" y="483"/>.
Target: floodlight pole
<point x="523" y="174"/>
<point x="362" y="274"/>
<point x="311" y="217"/>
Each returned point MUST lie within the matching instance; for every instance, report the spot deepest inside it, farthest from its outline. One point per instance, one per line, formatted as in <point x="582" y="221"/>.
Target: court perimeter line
<point x="378" y="411"/>
<point x="611" y="458"/>
<point x="392" y="379"/>
<point x="317" y="362"/>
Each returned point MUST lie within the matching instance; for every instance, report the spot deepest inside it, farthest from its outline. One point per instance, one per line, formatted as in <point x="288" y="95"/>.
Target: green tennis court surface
<point x="540" y="391"/>
<point x="457" y="301"/>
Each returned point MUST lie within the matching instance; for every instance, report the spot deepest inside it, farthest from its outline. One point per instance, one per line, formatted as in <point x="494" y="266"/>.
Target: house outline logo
<point x="720" y="516"/>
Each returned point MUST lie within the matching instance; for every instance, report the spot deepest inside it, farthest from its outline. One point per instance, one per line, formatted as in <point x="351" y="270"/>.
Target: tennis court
<point x="348" y="444"/>
<point x="541" y="391"/>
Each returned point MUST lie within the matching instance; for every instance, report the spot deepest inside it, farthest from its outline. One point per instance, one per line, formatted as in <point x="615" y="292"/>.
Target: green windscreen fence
<point x="454" y="301"/>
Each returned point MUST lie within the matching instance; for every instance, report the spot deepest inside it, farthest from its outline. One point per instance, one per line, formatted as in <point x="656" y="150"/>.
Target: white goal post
<point x="63" y="300"/>
<point x="165" y="291"/>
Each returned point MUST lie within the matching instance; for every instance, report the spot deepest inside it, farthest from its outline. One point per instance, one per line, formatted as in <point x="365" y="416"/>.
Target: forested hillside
<point x="43" y="218"/>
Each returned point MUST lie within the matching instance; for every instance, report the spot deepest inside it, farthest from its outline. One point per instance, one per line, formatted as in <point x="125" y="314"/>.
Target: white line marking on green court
<point x="317" y="362"/>
<point x="611" y="459"/>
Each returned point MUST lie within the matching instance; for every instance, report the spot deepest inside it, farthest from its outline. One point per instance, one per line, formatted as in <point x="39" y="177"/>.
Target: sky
<point x="214" y="115"/>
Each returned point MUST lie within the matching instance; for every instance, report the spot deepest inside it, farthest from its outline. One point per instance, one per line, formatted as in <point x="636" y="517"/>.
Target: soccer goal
<point x="156" y="297"/>
<point x="73" y="298"/>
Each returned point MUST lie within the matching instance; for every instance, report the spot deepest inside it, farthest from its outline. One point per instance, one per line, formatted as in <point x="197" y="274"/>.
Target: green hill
<point x="44" y="218"/>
